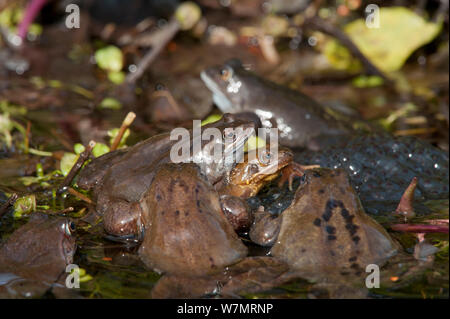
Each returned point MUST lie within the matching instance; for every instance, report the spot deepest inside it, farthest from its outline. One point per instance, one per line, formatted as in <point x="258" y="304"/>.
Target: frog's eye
<point x="160" y="87"/>
<point x="226" y="73"/>
<point x="229" y="135"/>
<point x="266" y="157"/>
<point x="69" y="228"/>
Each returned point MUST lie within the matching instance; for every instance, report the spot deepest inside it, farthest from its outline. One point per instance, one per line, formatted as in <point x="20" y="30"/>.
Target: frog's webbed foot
<point x="291" y="171"/>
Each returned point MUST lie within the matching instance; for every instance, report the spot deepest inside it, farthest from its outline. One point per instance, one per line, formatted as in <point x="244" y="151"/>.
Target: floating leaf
<point x="188" y="14"/>
<point x="253" y="143"/>
<point x="400" y="33"/>
<point x="211" y="119"/>
<point x="24" y="205"/>
<point x="78" y="148"/>
<point x="110" y="103"/>
<point x="67" y="161"/>
<point x="116" y="77"/>
<point x="109" y="58"/>
<point x="100" y="149"/>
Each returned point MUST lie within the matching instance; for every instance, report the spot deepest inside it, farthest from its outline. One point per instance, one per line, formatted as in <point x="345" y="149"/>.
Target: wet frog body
<point x="326" y="227"/>
<point x="41" y="249"/>
<point x="120" y="191"/>
<point x="186" y="231"/>
<point x="298" y="118"/>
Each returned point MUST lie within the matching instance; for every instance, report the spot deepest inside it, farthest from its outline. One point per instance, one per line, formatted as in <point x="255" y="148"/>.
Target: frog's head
<point x="259" y="169"/>
<point x="229" y="84"/>
<point x="43" y="242"/>
<point x="234" y="133"/>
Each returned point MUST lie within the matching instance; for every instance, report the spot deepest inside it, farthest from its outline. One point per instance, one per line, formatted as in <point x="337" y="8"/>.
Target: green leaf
<point x="24" y="205"/>
<point x="116" y="77"/>
<point x="253" y="143"/>
<point x="400" y="33"/>
<point x="100" y="149"/>
<point x="110" y="103"/>
<point x="78" y="148"/>
<point x="109" y="58"/>
<point x="67" y="161"/>
<point x="211" y="119"/>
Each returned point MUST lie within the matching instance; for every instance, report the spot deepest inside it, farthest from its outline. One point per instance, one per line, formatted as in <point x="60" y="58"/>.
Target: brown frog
<point x="186" y="231"/>
<point x="248" y="177"/>
<point x="40" y="249"/>
<point x="325" y="228"/>
<point x="119" y="190"/>
<point x="302" y="122"/>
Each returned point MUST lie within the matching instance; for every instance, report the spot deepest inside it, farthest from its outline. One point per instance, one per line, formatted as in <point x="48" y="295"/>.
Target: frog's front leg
<point x="291" y="171"/>
<point x="265" y="228"/>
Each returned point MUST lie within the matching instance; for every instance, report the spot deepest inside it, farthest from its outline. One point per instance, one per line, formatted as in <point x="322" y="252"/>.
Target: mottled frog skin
<point x="326" y="228"/>
<point x="247" y="178"/>
<point x="185" y="229"/>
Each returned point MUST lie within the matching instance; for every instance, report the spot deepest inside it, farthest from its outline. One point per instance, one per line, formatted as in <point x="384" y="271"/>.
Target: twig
<point x="420" y="228"/>
<point x="325" y="27"/>
<point x="64" y="211"/>
<point x="125" y="124"/>
<point x="11" y="200"/>
<point x="76" y="167"/>
<point x="166" y="34"/>
<point x="80" y="196"/>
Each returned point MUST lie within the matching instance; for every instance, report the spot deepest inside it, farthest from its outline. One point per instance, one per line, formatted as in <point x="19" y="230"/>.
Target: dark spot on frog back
<point x="330" y="230"/>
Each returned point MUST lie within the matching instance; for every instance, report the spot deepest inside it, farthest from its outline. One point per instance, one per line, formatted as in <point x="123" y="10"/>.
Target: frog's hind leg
<point x="291" y="171"/>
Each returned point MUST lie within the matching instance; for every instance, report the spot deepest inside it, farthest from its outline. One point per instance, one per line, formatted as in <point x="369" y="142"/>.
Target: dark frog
<point x="299" y="118"/>
<point x="325" y="228"/>
<point x="40" y="249"/>
<point x="186" y="231"/>
<point x="120" y="188"/>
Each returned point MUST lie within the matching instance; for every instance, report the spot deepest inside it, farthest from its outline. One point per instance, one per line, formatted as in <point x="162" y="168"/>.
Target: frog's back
<point x="187" y="232"/>
<point x="335" y="231"/>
